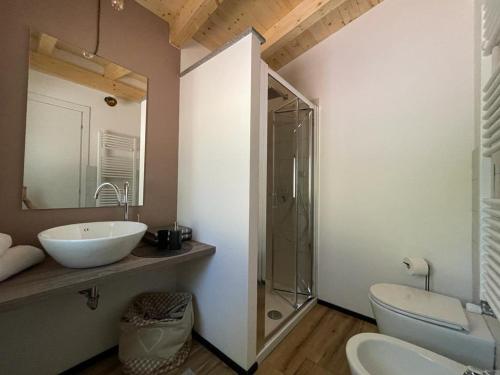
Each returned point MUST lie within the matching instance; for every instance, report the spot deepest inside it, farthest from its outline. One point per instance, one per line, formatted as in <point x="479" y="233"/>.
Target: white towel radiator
<point x="117" y="162"/>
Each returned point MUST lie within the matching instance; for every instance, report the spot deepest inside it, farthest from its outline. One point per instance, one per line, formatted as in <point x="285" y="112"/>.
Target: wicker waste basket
<point x="156" y="333"/>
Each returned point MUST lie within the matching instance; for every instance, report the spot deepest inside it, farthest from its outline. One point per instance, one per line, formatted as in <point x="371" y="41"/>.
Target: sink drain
<point x="274" y="315"/>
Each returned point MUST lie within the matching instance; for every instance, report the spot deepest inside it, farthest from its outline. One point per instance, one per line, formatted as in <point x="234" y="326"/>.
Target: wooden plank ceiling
<point x="290" y="27"/>
<point x="57" y="58"/>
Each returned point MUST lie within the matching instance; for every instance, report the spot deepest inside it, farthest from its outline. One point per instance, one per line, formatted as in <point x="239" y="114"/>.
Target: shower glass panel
<point x="304" y="204"/>
<point x="284" y="218"/>
<point x="292" y="250"/>
<point x="286" y="257"/>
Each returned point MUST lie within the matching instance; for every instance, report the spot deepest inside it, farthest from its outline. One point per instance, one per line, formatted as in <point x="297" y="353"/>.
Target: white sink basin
<point x="375" y="354"/>
<point x="92" y="244"/>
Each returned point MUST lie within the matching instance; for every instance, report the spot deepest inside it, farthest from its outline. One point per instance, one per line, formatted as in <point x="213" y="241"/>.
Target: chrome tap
<point x="122" y="199"/>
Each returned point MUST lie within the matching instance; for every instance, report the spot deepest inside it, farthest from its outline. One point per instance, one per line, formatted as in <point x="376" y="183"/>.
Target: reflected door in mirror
<point x="56" y="151"/>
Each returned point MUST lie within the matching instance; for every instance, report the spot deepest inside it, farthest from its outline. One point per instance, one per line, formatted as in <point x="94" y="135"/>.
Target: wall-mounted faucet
<point x="122" y="198"/>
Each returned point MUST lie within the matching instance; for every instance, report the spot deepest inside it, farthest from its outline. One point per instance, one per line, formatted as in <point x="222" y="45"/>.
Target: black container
<point x="175" y="239"/>
<point x="163" y="238"/>
<point x="169" y="237"/>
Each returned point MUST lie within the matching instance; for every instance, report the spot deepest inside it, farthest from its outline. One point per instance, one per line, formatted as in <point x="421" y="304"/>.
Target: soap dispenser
<point x="175" y="238"/>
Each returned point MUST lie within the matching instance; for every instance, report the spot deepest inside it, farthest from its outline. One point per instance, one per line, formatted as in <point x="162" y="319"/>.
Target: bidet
<point x="376" y="354"/>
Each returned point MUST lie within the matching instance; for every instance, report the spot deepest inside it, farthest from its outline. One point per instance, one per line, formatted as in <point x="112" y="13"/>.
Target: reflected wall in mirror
<point x="85" y="125"/>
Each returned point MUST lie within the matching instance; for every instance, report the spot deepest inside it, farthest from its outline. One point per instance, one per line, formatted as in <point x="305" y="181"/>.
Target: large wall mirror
<point x="85" y="125"/>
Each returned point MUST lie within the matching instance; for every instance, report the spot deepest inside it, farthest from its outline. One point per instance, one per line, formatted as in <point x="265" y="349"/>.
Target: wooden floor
<point x="200" y="361"/>
<point x="316" y="346"/>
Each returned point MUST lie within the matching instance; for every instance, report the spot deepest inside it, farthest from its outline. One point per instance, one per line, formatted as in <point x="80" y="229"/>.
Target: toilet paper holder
<point x="408" y="265"/>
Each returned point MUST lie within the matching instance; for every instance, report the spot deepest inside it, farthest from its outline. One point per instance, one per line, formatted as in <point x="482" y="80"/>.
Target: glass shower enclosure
<point x="286" y="257"/>
<point x="292" y="202"/>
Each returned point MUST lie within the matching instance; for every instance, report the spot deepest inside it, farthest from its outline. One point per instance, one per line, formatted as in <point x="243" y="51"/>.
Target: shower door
<point x="292" y="232"/>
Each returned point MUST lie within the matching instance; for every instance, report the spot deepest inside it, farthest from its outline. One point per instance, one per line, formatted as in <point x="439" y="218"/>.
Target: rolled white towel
<point x="5" y="243"/>
<point x="18" y="258"/>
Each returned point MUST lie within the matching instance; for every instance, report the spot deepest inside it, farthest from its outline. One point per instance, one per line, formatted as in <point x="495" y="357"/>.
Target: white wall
<point x="396" y="95"/>
<point x="481" y="167"/>
<point x="191" y="53"/>
<point x="124" y="118"/>
<point x="218" y="194"/>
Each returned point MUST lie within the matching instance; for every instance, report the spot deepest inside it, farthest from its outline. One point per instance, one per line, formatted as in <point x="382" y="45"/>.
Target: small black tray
<point x="148" y="251"/>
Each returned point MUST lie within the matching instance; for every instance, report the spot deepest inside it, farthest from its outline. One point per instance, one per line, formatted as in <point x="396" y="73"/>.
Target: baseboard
<point x="347" y="311"/>
<point x="114" y="351"/>
<point x="91" y="361"/>
<point x="224" y="358"/>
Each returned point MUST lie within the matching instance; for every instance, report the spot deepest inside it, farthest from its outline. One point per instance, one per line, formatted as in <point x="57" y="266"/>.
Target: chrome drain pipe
<point x="92" y="295"/>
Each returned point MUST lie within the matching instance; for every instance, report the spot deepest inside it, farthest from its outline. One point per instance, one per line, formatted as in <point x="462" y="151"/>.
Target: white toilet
<point x="433" y="321"/>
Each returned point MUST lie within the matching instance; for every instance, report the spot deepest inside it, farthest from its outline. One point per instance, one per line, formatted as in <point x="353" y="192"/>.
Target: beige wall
<point x="52" y="335"/>
<point x="134" y="38"/>
<point x="57" y="333"/>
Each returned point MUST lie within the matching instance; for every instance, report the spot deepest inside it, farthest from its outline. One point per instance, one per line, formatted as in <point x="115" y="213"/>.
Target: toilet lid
<point x="428" y="306"/>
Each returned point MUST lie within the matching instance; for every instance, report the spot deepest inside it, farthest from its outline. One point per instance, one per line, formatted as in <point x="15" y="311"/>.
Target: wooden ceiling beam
<point x="74" y="73"/>
<point x="290" y="27"/>
<point x="159" y="7"/>
<point x="192" y="15"/>
<point x="114" y="71"/>
<point x="304" y="15"/>
<point x="46" y="44"/>
<point x="322" y="29"/>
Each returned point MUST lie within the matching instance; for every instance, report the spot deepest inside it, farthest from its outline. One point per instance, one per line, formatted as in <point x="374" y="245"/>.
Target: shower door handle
<point x="294" y="177"/>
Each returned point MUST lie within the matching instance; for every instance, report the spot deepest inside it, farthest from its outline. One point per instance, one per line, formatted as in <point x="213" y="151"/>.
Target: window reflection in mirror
<point x="85" y="125"/>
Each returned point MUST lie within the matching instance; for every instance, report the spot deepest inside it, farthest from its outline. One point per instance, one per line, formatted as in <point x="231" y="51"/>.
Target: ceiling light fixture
<point x="118" y="5"/>
<point x="110" y="101"/>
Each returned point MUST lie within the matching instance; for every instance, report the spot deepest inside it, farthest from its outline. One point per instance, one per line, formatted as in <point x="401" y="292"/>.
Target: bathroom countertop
<point x="50" y="278"/>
